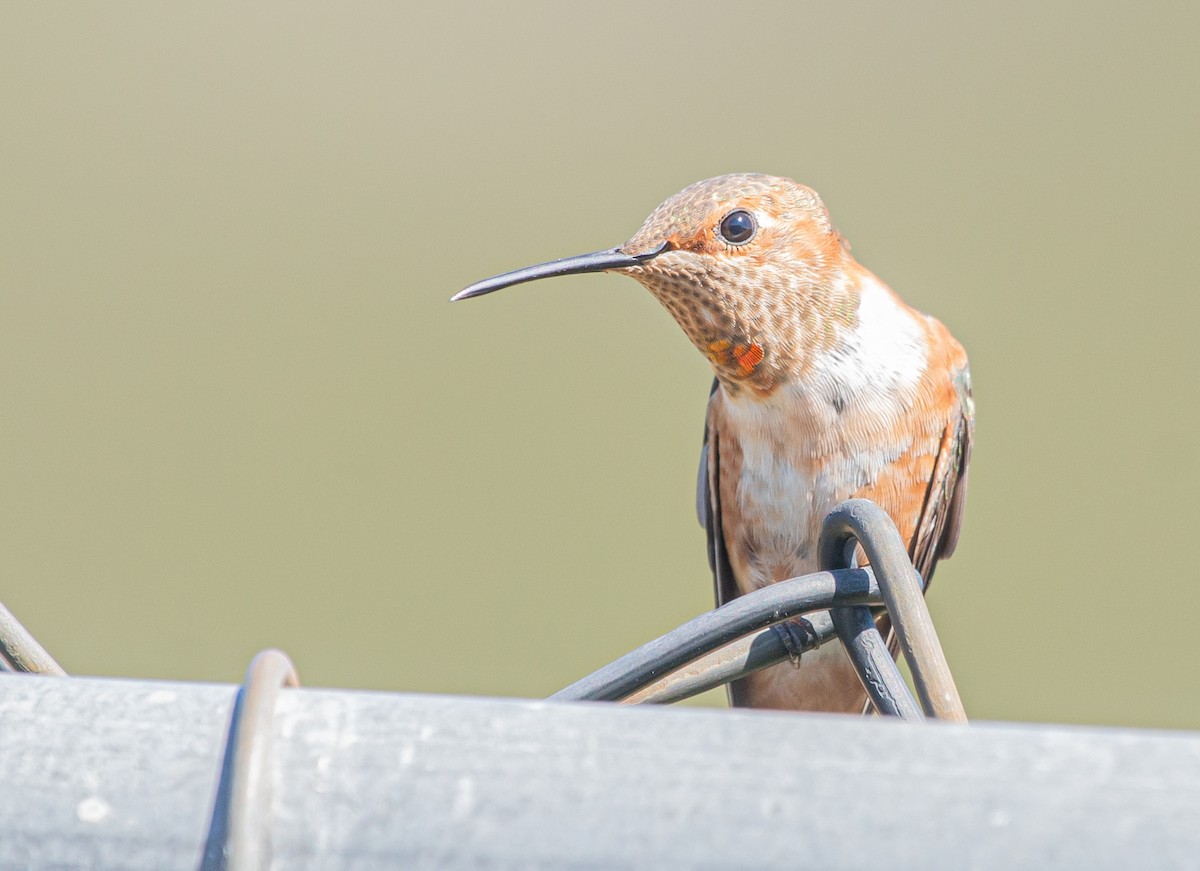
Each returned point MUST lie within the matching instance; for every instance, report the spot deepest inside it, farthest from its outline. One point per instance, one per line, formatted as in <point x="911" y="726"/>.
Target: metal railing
<point x="769" y="626"/>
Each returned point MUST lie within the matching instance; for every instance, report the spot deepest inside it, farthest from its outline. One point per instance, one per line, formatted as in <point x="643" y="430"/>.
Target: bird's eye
<point x="738" y="227"/>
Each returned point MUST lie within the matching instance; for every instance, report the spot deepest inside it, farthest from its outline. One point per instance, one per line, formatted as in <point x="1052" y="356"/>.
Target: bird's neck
<point x="852" y="351"/>
<point x="820" y="322"/>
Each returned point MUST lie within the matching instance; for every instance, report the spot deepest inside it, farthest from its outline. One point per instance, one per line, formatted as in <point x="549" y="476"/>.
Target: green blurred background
<point x="238" y="410"/>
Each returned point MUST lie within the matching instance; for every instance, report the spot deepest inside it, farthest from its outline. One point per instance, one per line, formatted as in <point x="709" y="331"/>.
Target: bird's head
<point x="749" y="265"/>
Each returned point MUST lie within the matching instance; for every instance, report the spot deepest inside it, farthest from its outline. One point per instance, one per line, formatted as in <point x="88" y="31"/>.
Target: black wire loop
<point x="877" y="671"/>
<point x="741" y="636"/>
<point x="861" y="522"/>
<point x="836" y="547"/>
<point x="708" y="632"/>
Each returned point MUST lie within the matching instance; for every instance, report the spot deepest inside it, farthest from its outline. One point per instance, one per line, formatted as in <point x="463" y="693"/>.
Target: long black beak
<point x="598" y="261"/>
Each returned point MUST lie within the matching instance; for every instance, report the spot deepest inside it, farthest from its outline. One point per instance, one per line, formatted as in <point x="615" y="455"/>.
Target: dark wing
<point x="941" y="518"/>
<point x="708" y="509"/>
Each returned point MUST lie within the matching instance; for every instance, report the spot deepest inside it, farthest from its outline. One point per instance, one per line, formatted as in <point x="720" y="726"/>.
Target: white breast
<point x="813" y="444"/>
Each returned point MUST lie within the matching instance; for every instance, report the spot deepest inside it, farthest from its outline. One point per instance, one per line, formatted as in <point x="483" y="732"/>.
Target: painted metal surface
<point x="123" y="774"/>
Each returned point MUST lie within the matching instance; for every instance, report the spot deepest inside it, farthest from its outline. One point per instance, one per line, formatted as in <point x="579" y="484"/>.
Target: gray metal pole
<point x="123" y="774"/>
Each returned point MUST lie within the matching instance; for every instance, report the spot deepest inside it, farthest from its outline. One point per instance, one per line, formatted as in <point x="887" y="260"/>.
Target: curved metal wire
<point x="856" y="627"/>
<point x="239" y="836"/>
<point x="743" y="615"/>
<point x="859" y="521"/>
<point x="657" y="675"/>
<point x="873" y="661"/>
<point x="748" y="654"/>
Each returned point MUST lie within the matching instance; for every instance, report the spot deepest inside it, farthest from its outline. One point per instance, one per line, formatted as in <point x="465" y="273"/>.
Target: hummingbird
<point x="827" y="387"/>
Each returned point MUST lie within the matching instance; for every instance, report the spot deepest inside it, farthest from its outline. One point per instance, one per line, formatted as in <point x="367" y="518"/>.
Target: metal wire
<point x="239" y="835"/>
<point x="873" y="661"/>
<point x="20" y="652"/>
<point x="748" y="654"/>
<point x="856" y="627"/>
<point x="861" y="522"/>
<point x="662" y="671"/>
<point x="745" y="614"/>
